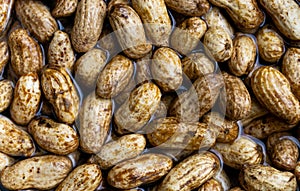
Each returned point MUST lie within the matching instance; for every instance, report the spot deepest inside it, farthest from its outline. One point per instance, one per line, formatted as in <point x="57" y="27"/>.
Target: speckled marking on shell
<point x="273" y="91"/>
<point x="25" y="52"/>
<point x="6" y="94"/>
<point x="83" y="178"/>
<point x="57" y="138"/>
<point x="189" y="7"/>
<point x="36" y="17"/>
<point x="64" y="8"/>
<point x="41" y="172"/>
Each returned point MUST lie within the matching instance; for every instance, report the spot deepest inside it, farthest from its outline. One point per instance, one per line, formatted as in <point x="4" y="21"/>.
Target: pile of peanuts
<point x="149" y="95"/>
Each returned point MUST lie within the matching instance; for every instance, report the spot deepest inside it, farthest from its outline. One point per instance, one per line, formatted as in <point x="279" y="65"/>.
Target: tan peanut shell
<point x="156" y="20"/>
<point x="26" y="54"/>
<point x="136" y="111"/>
<point x="41" y="172"/>
<point x="242" y="151"/>
<point x="199" y="99"/>
<point x="283" y="151"/>
<point x="189" y="7"/>
<point x="187" y="35"/>
<point x="60" y="52"/>
<point x="227" y="130"/>
<point x="143" y="72"/>
<point x="124" y="148"/>
<point x="4" y="55"/>
<point x="256" y="111"/>
<point x="88" y="67"/>
<point x="191" y="173"/>
<point x="273" y="91"/>
<point x="270" y="44"/>
<point x="64" y="8"/>
<point x="14" y="141"/>
<point x="6" y="7"/>
<point x="197" y="64"/>
<point x="170" y="133"/>
<point x="60" y="91"/>
<point x="94" y="122"/>
<point x="264" y="126"/>
<point x="243" y="58"/>
<point x="166" y="69"/>
<point x="235" y="98"/>
<point x="291" y="69"/>
<point x="143" y="169"/>
<point x="297" y="171"/>
<point x="5" y="161"/>
<point x="219" y="43"/>
<point x="246" y="14"/>
<point x="36" y="17"/>
<point x="259" y="177"/>
<point x="285" y="16"/>
<point x="114" y="77"/>
<point x="83" y="178"/>
<point x="89" y="19"/>
<point x="26" y="101"/>
<point x="214" y="17"/>
<point x="129" y="30"/>
<point x="57" y="138"/>
<point x="6" y="94"/>
<point x="211" y="184"/>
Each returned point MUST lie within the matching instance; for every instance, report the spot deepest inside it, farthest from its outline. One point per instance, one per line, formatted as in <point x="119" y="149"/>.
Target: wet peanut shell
<point x="244" y="55"/>
<point x="291" y="69"/>
<point x="187" y="35"/>
<point x="211" y="184"/>
<point x="136" y="111"/>
<point x="26" y="98"/>
<point x="60" y="52"/>
<point x="88" y="67"/>
<point x="273" y="91"/>
<point x="189" y="7"/>
<point x="41" y="172"/>
<point x="4" y="55"/>
<point x="124" y="148"/>
<point x="242" y="151"/>
<point x="89" y="19"/>
<point x="166" y="69"/>
<point x="285" y="16"/>
<point x="283" y="151"/>
<point x="259" y="177"/>
<point x="25" y="52"/>
<point x="14" y="141"/>
<point x="60" y="91"/>
<point x="83" y="178"/>
<point x="227" y="130"/>
<point x="57" y="138"/>
<point x="234" y="97"/>
<point x="129" y="30"/>
<point x="141" y="170"/>
<point x="157" y="22"/>
<point x="6" y="7"/>
<point x="270" y="44"/>
<point x="197" y="64"/>
<point x="5" y="161"/>
<point x="36" y="17"/>
<point x="246" y="14"/>
<point x="171" y="133"/>
<point x="64" y="8"/>
<point x="6" y="94"/>
<point x="199" y="99"/>
<point x="264" y="126"/>
<point x="94" y="122"/>
<point x="219" y="43"/>
<point x="214" y="17"/>
<point x="114" y="77"/>
<point x="191" y="173"/>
